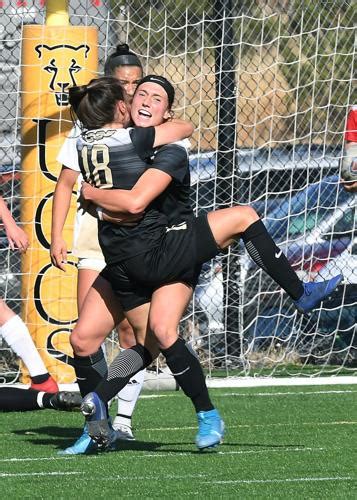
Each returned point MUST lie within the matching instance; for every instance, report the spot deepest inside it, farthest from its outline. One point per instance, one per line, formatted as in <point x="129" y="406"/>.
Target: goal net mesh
<point x="293" y="70"/>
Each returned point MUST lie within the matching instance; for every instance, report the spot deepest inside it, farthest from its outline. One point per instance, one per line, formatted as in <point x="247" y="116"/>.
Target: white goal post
<point x="293" y="70"/>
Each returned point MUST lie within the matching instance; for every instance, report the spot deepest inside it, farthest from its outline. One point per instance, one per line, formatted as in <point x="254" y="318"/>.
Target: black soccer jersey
<point x="115" y="159"/>
<point x="174" y="202"/>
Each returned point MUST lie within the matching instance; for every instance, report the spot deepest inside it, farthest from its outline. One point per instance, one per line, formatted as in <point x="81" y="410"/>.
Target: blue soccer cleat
<point x="210" y="429"/>
<point x="96" y="414"/>
<point x="83" y="446"/>
<point x="315" y="292"/>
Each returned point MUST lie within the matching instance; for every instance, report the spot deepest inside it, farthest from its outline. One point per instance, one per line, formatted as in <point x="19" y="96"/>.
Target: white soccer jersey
<point x="85" y="237"/>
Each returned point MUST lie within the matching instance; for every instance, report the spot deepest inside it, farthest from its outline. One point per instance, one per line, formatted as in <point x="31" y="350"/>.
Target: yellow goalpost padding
<point x="54" y="57"/>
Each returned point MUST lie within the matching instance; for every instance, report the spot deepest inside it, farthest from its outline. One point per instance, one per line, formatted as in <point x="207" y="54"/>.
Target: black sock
<point x="39" y="379"/>
<point x="125" y="417"/>
<point x="263" y="250"/>
<point x="89" y="370"/>
<point x="125" y="365"/>
<point x="188" y="373"/>
<point x="46" y="400"/>
<point x="14" y="399"/>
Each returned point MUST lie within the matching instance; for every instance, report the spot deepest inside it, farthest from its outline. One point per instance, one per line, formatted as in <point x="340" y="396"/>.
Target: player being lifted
<point x="153" y="266"/>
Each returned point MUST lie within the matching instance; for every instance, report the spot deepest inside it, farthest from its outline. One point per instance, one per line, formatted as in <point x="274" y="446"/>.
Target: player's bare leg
<point x="86" y="339"/>
<point x="167" y="308"/>
<point x="129" y="395"/>
<point x="124" y="366"/>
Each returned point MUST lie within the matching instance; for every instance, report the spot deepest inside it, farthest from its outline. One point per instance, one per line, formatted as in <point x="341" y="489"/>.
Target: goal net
<point x="268" y="86"/>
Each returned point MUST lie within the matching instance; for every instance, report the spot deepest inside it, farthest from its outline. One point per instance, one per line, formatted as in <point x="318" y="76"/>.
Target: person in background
<point x="351" y="146"/>
<point x="12" y="329"/>
<point x="126" y="67"/>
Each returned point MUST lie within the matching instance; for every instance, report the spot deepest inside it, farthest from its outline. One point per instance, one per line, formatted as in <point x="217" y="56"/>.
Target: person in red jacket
<point x="350" y="151"/>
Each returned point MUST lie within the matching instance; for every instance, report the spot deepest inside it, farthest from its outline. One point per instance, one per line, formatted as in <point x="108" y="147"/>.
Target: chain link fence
<point x="268" y="85"/>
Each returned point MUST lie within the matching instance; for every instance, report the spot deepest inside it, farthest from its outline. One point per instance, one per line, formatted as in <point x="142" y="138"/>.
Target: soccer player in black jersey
<point x="119" y="241"/>
<point x="155" y="261"/>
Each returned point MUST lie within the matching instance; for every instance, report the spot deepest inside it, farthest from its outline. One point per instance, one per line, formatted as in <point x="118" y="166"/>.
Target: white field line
<point x="216" y="382"/>
<point x="300" y="393"/>
<point x="238" y="426"/>
<point x="170" y="477"/>
<point x="26" y="474"/>
<point x="136" y="456"/>
<point x="252" y="395"/>
<point x="283" y="480"/>
<point x="238" y="452"/>
<point x="283" y="381"/>
<point x="232" y="481"/>
<point x="40" y="459"/>
<point x="231" y="426"/>
<point x="178" y="477"/>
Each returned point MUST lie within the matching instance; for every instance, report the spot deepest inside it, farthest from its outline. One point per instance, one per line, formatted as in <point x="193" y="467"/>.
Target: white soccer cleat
<point x="123" y="432"/>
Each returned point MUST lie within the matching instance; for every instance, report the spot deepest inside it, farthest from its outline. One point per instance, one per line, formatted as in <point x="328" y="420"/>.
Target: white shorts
<point x="86" y="244"/>
<point x="93" y="264"/>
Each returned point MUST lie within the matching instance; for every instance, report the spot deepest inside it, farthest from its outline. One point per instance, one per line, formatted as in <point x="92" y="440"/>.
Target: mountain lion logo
<point x="62" y="63"/>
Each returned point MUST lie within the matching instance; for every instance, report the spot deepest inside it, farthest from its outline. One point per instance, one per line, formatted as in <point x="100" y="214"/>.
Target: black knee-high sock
<point x="263" y="250"/>
<point x="188" y="373"/>
<point x="125" y="365"/>
<point x="15" y="399"/>
<point x="89" y="370"/>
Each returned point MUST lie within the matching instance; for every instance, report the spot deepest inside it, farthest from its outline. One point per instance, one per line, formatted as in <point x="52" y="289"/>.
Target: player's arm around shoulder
<point x="170" y="163"/>
<point x="172" y="131"/>
<point x="150" y="185"/>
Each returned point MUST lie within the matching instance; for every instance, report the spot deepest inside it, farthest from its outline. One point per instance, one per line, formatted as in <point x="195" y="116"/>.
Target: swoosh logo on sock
<point x="278" y="254"/>
<point x="181" y="373"/>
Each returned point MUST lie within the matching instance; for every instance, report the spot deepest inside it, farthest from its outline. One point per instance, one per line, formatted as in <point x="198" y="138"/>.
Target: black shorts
<point x="179" y="257"/>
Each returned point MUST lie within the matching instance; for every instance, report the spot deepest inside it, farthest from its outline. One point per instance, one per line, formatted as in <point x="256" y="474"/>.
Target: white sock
<point x="17" y="336"/>
<point x="128" y="397"/>
<point x="40" y="399"/>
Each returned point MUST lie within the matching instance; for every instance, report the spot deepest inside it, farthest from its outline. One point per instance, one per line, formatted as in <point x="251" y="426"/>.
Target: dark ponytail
<point x="121" y="57"/>
<point x="94" y="104"/>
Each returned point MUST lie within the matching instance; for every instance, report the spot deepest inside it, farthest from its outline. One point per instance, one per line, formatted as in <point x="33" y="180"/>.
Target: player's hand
<point x="87" y="191"/>
<point x="17" y="237"/>
<point x="58" y="253"/>
<point x="351" y="187"/>
<point x="86" y="206"/>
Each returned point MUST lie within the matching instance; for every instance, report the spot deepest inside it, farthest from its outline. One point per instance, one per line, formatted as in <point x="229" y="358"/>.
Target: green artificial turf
<point x="281" y="443"/>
